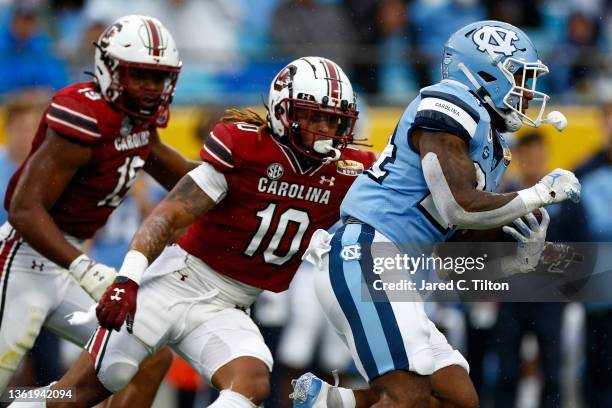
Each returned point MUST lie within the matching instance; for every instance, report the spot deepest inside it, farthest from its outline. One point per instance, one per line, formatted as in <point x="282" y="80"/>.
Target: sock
<point x="338" y="397"/>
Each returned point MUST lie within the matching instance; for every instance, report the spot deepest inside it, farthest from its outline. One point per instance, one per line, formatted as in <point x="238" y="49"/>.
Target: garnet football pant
<point x="34" y="292"/>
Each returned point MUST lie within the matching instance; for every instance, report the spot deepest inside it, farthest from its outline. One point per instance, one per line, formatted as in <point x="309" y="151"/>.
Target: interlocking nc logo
<point x="117" y="293"/>
<point x="495" y="40"/>
<point x="327" y="180"/>
<point x="351" y="252"/>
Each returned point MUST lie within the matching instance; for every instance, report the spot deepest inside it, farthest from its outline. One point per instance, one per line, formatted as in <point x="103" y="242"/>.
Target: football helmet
<point x="306" y="90"/>
<point x="488" y="57"/>
<point x="137" y="42"/>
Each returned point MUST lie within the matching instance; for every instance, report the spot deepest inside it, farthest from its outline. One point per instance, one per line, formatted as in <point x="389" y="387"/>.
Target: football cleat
<point x="309" y="391"/>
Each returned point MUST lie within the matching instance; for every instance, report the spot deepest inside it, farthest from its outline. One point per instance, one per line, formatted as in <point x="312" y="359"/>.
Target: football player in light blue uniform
<point x="437" y="174"/>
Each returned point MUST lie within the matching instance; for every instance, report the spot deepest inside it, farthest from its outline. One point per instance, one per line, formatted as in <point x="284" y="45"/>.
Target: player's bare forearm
<point x="42" y="182"/>
<point x="166" y="165"/>
<point x="459" y="171"/>
<point x="183" y="206"/>
<point x="38" y="229"/>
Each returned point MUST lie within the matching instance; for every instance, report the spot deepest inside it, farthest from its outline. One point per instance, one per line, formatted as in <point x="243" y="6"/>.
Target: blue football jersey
<point x="392" y="195"/>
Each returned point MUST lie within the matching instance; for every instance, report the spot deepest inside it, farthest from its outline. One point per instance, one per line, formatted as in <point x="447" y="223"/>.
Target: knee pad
<point x="232" y="399"/>
<point x="116" y="375"/>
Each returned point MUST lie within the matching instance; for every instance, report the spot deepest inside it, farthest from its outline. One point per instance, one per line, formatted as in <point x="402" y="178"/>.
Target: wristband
<point x="534" y="197"/>
<point x="134" y="265"/>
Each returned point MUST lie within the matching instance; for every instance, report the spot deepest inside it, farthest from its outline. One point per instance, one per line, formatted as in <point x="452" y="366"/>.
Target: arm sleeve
<point x="73" y="119"/>
<point x="210" y="180"/>
<point x="218" y="149"/>
<point x="454" y="215"/>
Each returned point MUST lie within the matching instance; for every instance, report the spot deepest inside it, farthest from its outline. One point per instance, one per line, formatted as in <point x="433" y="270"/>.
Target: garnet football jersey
<point x="258" y="232"/>
<point x="120" y="148"/>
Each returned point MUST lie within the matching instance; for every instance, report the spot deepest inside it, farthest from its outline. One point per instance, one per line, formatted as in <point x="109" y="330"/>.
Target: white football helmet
<point x="312" y="86"/>
<point x="137" y="42"/>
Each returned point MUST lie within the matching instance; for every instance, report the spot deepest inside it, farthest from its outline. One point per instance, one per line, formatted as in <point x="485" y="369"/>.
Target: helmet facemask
<point x="525" y="91"/>
<point x="317" y="131"/>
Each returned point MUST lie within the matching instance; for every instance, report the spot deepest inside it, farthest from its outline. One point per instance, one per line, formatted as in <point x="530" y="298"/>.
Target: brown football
<point x="492" y="235"/>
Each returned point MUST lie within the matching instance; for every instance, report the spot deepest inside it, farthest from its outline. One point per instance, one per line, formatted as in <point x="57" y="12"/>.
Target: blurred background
<point x="521" y="355"/>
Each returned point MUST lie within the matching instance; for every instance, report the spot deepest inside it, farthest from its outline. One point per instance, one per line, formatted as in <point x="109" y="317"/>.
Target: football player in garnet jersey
<point x="91" y="142"/>
<point x="251" y="207"/>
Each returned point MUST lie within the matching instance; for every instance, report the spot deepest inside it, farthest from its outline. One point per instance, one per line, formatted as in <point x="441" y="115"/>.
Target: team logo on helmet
<point x="275" y="171"/>
<point x="110" y="33"/>
<point x="495" y="40"/>
<point x="283" y="79"/>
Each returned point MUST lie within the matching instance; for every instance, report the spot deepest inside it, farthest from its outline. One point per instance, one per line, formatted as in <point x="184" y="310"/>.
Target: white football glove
<point x="531" y="241"/>
<point x="93" y="277"/>
<point x="558" y="185"/>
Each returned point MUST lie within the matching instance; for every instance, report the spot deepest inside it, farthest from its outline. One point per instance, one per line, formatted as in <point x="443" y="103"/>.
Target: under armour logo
<point x="117" y="293"/>
<point x="183" y="277"/>
<point x="37" y="265"/>
<point x="495" y="40"/>
<point x="327" y="180"/>
<point x="351" y="252"/>
<point x="98" y="275"/>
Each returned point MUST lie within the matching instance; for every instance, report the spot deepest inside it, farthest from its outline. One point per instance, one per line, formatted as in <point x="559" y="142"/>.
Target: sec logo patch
<point x="275" y="171"/>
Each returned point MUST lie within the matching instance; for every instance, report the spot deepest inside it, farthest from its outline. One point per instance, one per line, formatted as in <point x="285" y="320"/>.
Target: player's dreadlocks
<point x="247" y="115"/>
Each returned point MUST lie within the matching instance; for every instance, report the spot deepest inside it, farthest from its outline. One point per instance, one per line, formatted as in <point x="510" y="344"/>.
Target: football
<point x="492" y="235"/>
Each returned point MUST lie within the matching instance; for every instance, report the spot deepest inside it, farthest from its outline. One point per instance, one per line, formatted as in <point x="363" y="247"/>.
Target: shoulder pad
<point x="73" y="113"/>
<point x="449" y="107"/>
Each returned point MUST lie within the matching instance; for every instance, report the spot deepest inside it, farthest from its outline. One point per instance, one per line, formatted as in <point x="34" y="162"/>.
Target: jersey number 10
<point x="267" y="217"/>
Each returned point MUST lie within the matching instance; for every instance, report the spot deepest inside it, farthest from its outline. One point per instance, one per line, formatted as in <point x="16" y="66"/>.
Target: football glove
<point x="93" y="277"/>
<point x="118" y="304"/>
<point x="558" y="185"/>
<point x="531" y="241"/>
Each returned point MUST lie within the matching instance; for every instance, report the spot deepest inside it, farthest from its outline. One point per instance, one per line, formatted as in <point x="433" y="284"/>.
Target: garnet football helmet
<point x="137" y="42"/>
<point x="306" y="89"/>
